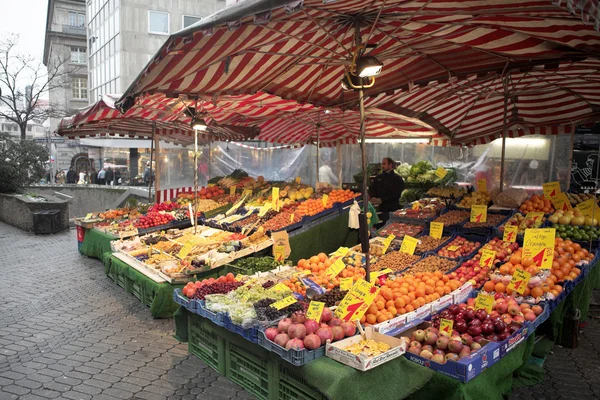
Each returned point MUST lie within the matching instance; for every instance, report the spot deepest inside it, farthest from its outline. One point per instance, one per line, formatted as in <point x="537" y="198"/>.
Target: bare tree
<point x="18" y="70"/>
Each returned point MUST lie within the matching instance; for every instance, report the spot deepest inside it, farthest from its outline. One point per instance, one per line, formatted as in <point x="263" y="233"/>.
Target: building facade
<point x="123" y="35"/>
<point x="66" y="40"/>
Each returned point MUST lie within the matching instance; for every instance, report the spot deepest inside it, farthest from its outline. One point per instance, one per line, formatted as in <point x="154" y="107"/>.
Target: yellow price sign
<point x="482" y="185"/>
<point x="265" y="209"/>
<point x="346" y="283"/>
<point x="453" y="248"/>
<point x="298" y="180"/>
<point x="446" y="327"/>
<point x="335" y="268"/>
<point x="441" y="172"/>
<point x="535" y="216"/>
<point x="485" y="302"/>
<point x="279" y="253"/>
<point x="150" y="251"/>
<point x="89" y="216"/>
<point x="247" y="192"/>
<point x="387" y="242"/>
<point x="314" y="311"/>
<point x="487" y="258"/>
<point x="280" y="287"/>
<point x="519" y="281"/>
<point x="589" y="208"/>
<point x="325" y="199"/>
<point x="341" y="252"/>
<point x="538" y="244"/>
<point x="356" y="302"/>
<point x="478" y="213"/>
<point x="283" y="303"/>
<point x="551" y="189"/>
<point x="510" y="233"/>
<point x="292" y="217"/>
<point x="300" y="273"/>
<point x="416" y="205"/>
<point x="561" y="202"/>
<point x="185" y="250"/>
<point x="250" y="282"/>
<point x="436" y="230"/>
<point x="377" y="274"/>
<point x="239" y="277"/>
<point x="275" y="198"/>
<point x="409" y="244"/>
<point x="232" y="189"/>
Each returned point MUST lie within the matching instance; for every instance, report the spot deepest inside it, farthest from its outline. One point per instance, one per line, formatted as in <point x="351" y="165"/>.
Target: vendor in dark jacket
<point x="386" y="189"/>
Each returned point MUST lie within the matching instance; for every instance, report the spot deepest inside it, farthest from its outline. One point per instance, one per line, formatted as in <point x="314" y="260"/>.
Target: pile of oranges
<point x="317" y="265"/>
<point x="537" y="203"/>
<point x="341" y="195"/>
<point x="312" y="207"/>
<point x="407" y="293"/>
<point x="567" y="255"/>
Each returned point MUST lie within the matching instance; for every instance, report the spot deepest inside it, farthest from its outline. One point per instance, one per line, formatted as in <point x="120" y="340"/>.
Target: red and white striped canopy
<point x="299" y="50"/>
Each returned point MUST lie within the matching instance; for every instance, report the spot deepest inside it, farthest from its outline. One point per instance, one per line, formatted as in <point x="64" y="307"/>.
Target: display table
<point x="399" y="378"/>
<point x="96" y="244"/>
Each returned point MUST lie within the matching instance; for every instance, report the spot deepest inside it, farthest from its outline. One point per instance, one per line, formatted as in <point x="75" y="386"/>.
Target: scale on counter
<point x="355" y="187"/>
<point x="588" y="187"/>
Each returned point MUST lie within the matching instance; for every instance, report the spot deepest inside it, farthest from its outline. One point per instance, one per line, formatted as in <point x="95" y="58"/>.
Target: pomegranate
<point x="311" y="326"/>
<point x="312" y="341"/>
<point x="298" y="317"/>
<point x="282" y="339"/>
<point x="284" y="325"/>
<point x="337" y="332"/>
<point x="349" y="329"/>
<point x="335" y="322"/>
<point x="326" y="315"/>
<point x="325" y="334"/>
<point x="270" y="333"/>
<point x="297" y="331"/>
<point x="295" y="344"/>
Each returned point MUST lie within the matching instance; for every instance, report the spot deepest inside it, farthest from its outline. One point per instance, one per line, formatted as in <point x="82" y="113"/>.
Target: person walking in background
<point x="147" y="174"/>
<point x="386" y="189"/>
<point x="82" y="180"/>
<point x="71" y="176"/>
<point x="101" y="176"/>
<point x="93" y="176"/>
<point x="60" y="177"/>
<point x="109" y="176"/>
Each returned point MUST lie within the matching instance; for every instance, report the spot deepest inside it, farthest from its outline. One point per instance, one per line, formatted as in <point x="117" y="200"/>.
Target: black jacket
<point x="108" y="176"/>
<point x="71" y="176"/>
<point x="388" y="187"/>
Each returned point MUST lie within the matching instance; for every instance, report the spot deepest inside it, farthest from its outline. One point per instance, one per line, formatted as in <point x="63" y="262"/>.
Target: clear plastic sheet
<point x="176" y="166"/>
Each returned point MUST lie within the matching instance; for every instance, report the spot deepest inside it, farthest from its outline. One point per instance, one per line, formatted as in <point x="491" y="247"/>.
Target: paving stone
<point x="15" y="389"/>
<point x="76" y="395"/>
<point x="28" y="383"/>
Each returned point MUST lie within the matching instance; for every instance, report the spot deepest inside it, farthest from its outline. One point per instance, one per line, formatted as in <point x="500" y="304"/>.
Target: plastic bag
<point x="511" y="198"/>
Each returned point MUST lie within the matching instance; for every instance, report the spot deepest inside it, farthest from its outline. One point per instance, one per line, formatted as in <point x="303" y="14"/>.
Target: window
<point x="158" y="22"/>
<point x="78" y="55"/>
<point x="80" y="88"/>
<point x="189" y="20"/>
<point x="76" y="19"/>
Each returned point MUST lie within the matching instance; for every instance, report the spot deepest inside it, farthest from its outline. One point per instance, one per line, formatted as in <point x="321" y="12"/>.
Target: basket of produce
<point x="395" y="261"/>
<point x="429" y="208"/>
<point x="494" y="220"/>
<point x="452" y="219"/>
<point x="430" y="244"/>
<point x="432" y="263"/>
<point x="461" y="246"/>
<point x="401" y="229"/>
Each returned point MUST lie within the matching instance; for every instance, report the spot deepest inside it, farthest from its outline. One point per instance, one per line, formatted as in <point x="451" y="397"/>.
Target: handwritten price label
<point x="292" y="217"/>
<point x="283" y="303"/>
<point x="534" y="216"/>
<point x="487" y="258"/>
<point x="275" y="198"/>
<point x="247" y="192"/>
<point x="478" y="213"/>
<point x="482" y="185"/>
<point x="485" y="302"/>
<point x="314" y="311"/>
<point x="589" y="208"/>
<point x="89" y="216"/>
<point x="341" y="252"/>
<point x="436" y="229"/>
<point x="356" y="302"/>
<point x="446" y="326"/>
<point x="561" y="202"/>
<point x="551" y="189"/>
<point x="325" y="199"/>
<point x="539" y="245"/>
<point x="265" y="209"/>
<point x="279" y="253"/>
<point x="185" y="250"/>
<point x="280" y="287"/>
<point x="519" y="281"/>
<point x="346" y="283"/>
<point x="232" y="189"/>
<point x="441" y="172"/>
<point x="416" y="205"/>
<point x="453" y="248"/>
<point x="377" y="274"/>
<point x="409" y="244"/>
<point x="300" y="273"/>
<point x="510" y="233"/>
<point x="387" y="242"/>
<point x="335" y="268"/>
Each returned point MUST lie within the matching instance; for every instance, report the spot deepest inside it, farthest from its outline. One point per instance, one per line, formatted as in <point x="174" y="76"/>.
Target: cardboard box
<point x="441" y="304"/>
<point x="464" y="369"/>
<point x="335" y="350"/>
<point x="506" y="346"/>
<point x="419" y="314"/>
<point x="461" y="294"/>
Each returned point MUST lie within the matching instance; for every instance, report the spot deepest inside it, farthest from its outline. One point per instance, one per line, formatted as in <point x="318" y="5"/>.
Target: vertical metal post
<point x="504" y="132"/>
<point x="196" y="181"/>
<point x="151" y="159"/>
<point x="339" y="163"/>
<point x="318" y="144"/>
<point x="364" y="225"/>
<point x="157" y="151"/>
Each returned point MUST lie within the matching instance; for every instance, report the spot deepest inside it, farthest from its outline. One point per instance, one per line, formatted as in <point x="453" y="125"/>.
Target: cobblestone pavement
<point x="67" y="332"/>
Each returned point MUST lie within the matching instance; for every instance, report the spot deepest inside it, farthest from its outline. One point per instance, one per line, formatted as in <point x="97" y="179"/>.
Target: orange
<point x="527" y="262"/>
<point x="536" y="292"/>
<point x="499" y="287"/>
<point x="380" y="305"/>
<point x="372" y="309"/>
<point x="489" y="286"/>
<point x="399" y="303"/>
<point x="371" y="318"/>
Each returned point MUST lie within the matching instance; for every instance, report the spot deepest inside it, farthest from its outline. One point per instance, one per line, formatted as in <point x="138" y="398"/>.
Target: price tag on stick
<point x="441" y="172"/>
<point x="519" y="281"/>
<point x="436" y="229"/>
<point x="325" y="199"/>
<point x="538" y="244"/>
<point x="346" y="283"/>
<point x="314" y="311"/>
<point x="387" y="242"/>
<point x="288" y="301"/>
<point x="409" y="244"/>
<point x="446" y="326"/>
<point x="478" y="213"/>
<point x="510" y="233"/>
<point x="356" y="302"/>
<point x="275" y="198"/>
<point x="335" y="268"/>
<point x="487" y="258"/>
<point x="485" y="302"/>
<point x="551" y="189"/>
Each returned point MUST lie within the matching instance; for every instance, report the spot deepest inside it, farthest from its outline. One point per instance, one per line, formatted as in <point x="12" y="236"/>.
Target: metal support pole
<point x="157" y="151"/>
<point x="151" y="159"/>
<point x="195" y="181"/>
<point x="365" y="196"/>
<point x="504" y="133"/>
<point x="318" y="144"/>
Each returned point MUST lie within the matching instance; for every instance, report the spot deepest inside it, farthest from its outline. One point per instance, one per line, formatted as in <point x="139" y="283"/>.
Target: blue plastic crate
<point x="540" y="318"/>
<point x="216" y="318"/>
<point x="471" y="238"/>
<point x="486" y="231"/>
<point x="450" y="229"/>
<point x="184" y="301"/>
<point x="250" y="334"/>
<point x="422" y="223"/>
<point x="294" y="357"/>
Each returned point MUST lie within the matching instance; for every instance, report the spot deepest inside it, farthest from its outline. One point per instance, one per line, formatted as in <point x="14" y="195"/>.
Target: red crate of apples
<point x="153" y="219"/>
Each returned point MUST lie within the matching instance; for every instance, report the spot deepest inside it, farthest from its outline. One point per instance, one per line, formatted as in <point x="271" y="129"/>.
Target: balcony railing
<point x="74" y="30"/>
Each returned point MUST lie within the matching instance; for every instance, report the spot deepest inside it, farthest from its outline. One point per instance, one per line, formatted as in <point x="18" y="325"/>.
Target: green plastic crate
<point x="121" y="281"/>
<point x="293" y="387"/>
<point x="136" y="290"/>
<point x="204" y="343"/>
<point x="112" y="275"/>
<point x="148" y="298"/>
<point x="248" y="370"/>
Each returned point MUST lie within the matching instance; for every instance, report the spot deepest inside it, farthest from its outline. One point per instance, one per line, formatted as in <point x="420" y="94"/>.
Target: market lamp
<point x="368" y="66"/>
<point x="198" y="124"/>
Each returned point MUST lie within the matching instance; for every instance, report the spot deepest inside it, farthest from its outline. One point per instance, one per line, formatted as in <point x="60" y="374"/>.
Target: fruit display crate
<point x="380" y="231"/>
<point x="488" y="230"/>
<point x="294" y="357"/>
<point x="454" y="228"/>
<point x="206" y="344"/>
<point x="250" y="370"/>
<point x="292" y="386"/>
<point x="250" y="334"/>
<point x="216" y="318"/>
<point x="182" y="300"/>
<point x="135" y="289"/>
<point x="121" y="281"/>
<point x="471" y="237"/>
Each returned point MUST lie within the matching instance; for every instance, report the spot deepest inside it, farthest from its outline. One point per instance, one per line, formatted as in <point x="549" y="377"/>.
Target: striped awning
<point x="299" y="49"/>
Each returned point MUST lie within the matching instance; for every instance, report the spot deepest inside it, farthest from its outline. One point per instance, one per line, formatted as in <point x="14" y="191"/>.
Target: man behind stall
<point x="386" y="189"/>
